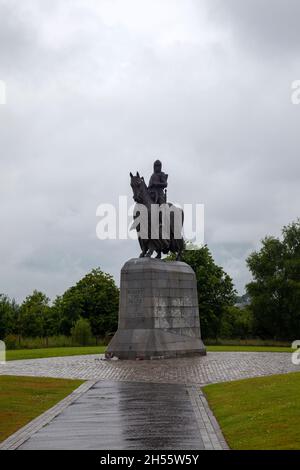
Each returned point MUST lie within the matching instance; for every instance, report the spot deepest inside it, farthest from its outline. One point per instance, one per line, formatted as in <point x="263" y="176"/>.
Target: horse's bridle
<point x="138" y="196"/>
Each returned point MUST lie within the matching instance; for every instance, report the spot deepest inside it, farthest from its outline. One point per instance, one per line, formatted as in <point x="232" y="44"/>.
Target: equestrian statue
<point x="158" y="223"/>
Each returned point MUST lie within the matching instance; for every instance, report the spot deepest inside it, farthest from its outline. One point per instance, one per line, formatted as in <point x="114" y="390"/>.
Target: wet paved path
<point x="137" y="404"/>
<point x="128" y="416"/>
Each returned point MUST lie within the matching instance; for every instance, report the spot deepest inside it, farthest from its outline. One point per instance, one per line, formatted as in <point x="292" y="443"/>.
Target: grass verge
<point x="24" y="398"/>
<point x="249" y="348"/>
<point x="17" y="354"/>
<point x="52" y="352"/>
<point x="258" y="414"/>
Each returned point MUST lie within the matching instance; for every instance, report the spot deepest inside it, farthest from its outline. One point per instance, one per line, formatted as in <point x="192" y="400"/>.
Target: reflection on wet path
<point x="122" y="415"/>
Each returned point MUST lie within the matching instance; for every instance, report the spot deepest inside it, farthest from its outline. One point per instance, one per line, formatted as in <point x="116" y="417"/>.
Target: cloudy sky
<point x="96" y="88"/>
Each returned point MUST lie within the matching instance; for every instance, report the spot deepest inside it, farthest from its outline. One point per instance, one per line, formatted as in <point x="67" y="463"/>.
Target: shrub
<point x="81" y="332"/>
<point x="11" y="341"/>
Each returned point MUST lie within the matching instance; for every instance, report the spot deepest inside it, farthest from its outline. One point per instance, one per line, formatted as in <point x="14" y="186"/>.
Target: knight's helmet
<point x="158" y="164"/>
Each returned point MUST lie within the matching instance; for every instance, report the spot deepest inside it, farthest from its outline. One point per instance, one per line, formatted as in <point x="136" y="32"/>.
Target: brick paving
<point x="210" y="430"/>
<point x="213" y="368"/>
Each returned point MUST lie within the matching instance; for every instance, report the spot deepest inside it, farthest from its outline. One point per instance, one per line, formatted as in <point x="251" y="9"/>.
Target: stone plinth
<point x="158" y="315"/>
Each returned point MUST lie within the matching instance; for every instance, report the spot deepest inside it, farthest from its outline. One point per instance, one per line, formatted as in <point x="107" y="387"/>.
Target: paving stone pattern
<point x="213" y="368"/>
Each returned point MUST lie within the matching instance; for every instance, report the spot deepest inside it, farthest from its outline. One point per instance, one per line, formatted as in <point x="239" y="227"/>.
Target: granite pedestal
<point x="158" y="315"/>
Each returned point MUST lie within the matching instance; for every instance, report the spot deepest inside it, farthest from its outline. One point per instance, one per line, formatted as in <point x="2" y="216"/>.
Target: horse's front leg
<point x="149" y="253"/>
<point x="151" y="249"/>
<point x="144" y="247"/>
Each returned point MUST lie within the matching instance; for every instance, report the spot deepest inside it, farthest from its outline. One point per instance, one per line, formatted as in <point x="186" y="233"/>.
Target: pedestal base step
<point x="153" y="343"/>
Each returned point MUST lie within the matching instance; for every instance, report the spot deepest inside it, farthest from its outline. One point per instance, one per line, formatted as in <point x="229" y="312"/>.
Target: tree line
<point x="91" y="306"/>
<point x="94" y="299"/>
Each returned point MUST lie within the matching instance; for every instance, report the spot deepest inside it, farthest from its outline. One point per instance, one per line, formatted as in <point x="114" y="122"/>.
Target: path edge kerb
<point x="14" y="441"/>
<point x="210" y="431"/>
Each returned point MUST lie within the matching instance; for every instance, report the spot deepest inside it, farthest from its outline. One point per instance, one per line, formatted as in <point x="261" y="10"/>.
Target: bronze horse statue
<point x="160" y="243"/>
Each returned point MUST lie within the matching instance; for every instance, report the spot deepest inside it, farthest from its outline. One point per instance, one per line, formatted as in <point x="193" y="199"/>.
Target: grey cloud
<point x="271" y="27"/>
<point x="96" y="94"/>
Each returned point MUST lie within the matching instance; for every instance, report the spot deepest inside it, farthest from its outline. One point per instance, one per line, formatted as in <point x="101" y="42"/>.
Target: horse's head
<point x="139" y="188"/>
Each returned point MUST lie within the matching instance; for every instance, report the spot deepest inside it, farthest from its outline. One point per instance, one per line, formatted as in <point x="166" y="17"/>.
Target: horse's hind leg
<point x="179" y="250"/>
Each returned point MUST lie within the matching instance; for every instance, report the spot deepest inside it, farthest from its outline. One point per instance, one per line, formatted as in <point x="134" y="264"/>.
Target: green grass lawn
<point x="24" y="398"/>
<point x="258" y="414"/>
<point x="52" y="352"/>
<point x="75" y="351"/>
<point x="250" y="348"/>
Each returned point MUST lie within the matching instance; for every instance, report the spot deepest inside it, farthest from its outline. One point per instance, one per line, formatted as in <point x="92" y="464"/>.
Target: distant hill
<point x="243" y="300"/>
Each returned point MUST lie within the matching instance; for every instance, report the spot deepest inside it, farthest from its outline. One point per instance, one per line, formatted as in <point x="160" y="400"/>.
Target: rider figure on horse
<point x="158" y="184"/>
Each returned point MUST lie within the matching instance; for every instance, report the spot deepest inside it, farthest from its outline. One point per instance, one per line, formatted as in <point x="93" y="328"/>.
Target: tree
<point x="32" y="314"/>
<point x="96" y="298"/>
<point x="215" y="290"/>
<point x="81" y="332"/>
<point x="51" y="323"/>
<point x="236" y="322"/>
<point x="8" y="316"/>
<point x="275" y="289"/>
